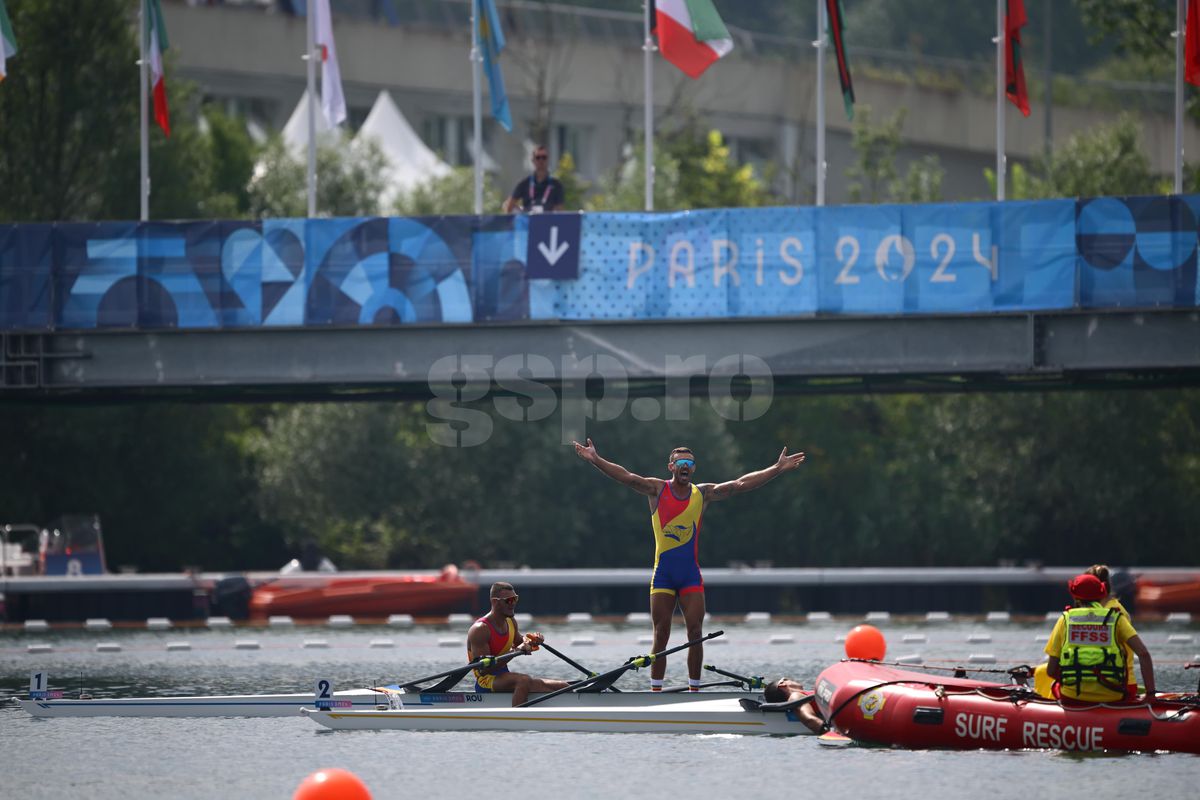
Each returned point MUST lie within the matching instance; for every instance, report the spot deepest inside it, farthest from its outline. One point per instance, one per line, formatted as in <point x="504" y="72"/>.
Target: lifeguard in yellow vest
<point x="676" y="510"/>
<point x="1087" y="649"/>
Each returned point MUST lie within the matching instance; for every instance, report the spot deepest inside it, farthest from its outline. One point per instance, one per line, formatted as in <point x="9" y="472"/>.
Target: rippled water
<point x="205" y="758"/>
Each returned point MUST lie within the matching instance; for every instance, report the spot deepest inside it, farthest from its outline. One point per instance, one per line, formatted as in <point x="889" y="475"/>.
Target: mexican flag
<point x="691" y="34"/>
<point x="8" y="42"/>
<point x="156" y="36"/>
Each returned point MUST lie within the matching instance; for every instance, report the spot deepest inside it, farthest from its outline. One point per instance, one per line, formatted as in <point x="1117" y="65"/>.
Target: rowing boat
<point x="716" y="715"/>
<point x="289" y="705"/>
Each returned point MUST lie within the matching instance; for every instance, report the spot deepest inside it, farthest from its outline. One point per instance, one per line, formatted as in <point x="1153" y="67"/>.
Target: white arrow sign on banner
<point x="555" y="251"/>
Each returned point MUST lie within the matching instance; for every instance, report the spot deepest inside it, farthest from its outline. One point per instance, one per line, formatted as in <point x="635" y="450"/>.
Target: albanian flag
<point x="836" y="36"/>
<point x="1014" y="67"/>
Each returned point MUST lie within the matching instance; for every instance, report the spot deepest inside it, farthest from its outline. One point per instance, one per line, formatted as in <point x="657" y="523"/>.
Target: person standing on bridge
<point x="676" y="508"/>
<point x="540" y="192"/>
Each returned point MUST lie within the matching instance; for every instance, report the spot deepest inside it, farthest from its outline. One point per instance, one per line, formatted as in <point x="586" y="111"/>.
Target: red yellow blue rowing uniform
<point x="499" y="643"/>
<point x="676" y="541"/>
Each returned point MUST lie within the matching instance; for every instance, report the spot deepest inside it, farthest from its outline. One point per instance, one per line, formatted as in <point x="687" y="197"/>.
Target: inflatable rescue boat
<point x="876" y="703"/>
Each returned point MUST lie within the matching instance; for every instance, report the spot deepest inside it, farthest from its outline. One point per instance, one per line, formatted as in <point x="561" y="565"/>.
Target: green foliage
<point x="574" y="186"/>
<point x="69" y="138"/>
<point x="65" y="121"/>
<point x="691" y="170"/>
<point x="233" y="154"/>
<point x="451" y="194"/>
<point x="876" y="148"/>
<point x="1107" y="161"/>
<point x="873" y="177"/>
<point x="350" y="180"/>
<point x="172" y="484"/>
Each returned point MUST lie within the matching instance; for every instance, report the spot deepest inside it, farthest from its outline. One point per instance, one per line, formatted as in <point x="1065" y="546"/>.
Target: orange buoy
<point x="332" y="784"/>
<point x="865" y="642"/>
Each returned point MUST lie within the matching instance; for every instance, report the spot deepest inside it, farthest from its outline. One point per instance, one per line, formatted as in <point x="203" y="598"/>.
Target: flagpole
<point x="312" y="108"/>
<point x="144" y="81"/>
<point x="1000" y="159"/>
<point x="819" y="44"/>
<point x="477" y="101"/>
<point x="1180" y="21"/>
<point x="648" y="68"/>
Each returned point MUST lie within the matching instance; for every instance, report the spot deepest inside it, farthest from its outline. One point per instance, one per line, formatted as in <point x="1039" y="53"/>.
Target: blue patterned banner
<point x="768" y="262"/>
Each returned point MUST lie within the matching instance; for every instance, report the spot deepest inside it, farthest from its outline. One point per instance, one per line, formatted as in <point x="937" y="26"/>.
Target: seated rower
<point x="1089" y="645"/>
<point x="495" y="634"/>
<point x="786" y="690"/>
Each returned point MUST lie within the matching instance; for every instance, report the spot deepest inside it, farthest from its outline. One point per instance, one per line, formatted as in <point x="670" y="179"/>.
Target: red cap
<point x="1087" y="587"/>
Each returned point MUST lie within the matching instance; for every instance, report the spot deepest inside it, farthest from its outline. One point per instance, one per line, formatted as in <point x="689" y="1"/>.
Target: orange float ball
<point x="865" y="642"/>
<point x="332" y="784"/>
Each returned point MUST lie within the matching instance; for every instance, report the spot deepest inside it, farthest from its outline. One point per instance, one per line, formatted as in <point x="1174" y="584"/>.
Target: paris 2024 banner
<point x="952" y="258"/>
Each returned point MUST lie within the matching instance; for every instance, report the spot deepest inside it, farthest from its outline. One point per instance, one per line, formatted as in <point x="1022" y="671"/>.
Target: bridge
<point x="737" y="302"/>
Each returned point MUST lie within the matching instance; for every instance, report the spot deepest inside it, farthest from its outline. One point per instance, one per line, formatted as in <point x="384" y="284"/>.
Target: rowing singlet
<point x="676" y="541"/>
<point x="499" y="643"/>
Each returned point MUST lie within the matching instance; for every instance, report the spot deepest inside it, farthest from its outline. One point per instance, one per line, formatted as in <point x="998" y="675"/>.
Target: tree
<point x="350" y="180"/>
<point x="69" y="115"/>
<point x="451" y="194"/>
<point x="69" y="109"/>
<point x="1107" y="161"/>
<point x="873" y="176"/>
<point x="693" y="169"/>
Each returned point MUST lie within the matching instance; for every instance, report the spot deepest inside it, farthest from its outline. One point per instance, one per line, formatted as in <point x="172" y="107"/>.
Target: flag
<point x="1014" y="67"/>
<point x="332" y="100"/>
<point x="491" y="42"/>
<point x="1191" y="61"/>
<point x="156" y="36"/>
<point x="833" y="9"/>
<point x="690" y="34"/>
<point x="8" y="42"/>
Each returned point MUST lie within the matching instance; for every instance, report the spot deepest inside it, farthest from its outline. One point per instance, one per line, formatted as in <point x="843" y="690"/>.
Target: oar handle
<point x="634" y="663"/>
<point x="751" y="682"/>
<point x="487" y="662"/>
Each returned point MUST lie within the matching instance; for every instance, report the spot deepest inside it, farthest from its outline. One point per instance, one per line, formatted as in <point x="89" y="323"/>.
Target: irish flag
<point x="156" y="36"/>
<point x="691" y="34"/>
<point x="8" y="42"/>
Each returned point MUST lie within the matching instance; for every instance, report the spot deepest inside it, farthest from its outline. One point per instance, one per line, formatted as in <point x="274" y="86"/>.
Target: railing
<point x="940" y="259"/>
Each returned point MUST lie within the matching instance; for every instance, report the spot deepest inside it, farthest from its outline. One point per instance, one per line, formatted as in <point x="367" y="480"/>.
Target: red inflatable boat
<point x="872" y="702"/>
<point x="315" y="595"/>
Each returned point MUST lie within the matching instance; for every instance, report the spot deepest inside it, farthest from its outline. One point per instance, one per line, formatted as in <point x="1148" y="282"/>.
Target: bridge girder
<point x="1038" y="351"/>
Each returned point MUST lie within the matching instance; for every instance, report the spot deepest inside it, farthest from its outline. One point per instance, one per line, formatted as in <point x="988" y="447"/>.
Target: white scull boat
<point x="289" y="705"/>
<point x="717" y="715"/>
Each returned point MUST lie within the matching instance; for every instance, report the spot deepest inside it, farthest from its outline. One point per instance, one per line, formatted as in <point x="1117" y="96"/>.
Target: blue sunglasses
<point x="685" y="462"/>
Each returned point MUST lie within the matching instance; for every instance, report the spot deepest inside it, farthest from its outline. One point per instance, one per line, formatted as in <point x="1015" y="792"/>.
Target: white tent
<point x="295" y="132"/>
<point x="410" y="162"/>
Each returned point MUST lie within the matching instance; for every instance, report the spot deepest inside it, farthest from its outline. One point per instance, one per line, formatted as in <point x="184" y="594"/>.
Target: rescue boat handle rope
<point x="1010" y="671"/>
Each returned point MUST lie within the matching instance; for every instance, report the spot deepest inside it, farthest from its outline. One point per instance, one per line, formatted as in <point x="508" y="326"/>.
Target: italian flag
<point x="691" y="34"/>
<point x="8" y="42"/>
<point x="156" y="35"/>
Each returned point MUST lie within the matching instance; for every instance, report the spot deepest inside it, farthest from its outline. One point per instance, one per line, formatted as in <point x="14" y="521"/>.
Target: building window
<point x="575" y="140"/>
<point x="452" y="138"/>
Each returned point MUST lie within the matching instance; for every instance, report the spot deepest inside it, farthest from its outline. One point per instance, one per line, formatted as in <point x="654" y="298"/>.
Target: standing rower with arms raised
<point x="495" y="634"/>
<point x="676" y="508"/>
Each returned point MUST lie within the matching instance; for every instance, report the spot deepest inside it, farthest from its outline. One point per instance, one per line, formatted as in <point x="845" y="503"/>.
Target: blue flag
<point x="491" y="42"/>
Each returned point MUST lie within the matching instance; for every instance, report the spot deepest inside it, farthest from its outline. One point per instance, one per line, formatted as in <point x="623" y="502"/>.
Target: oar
<point x="757" y="682"/>
<point x="573" y="663"/>
<point x="487" y="662"/>
<point x="606" y="678"/>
